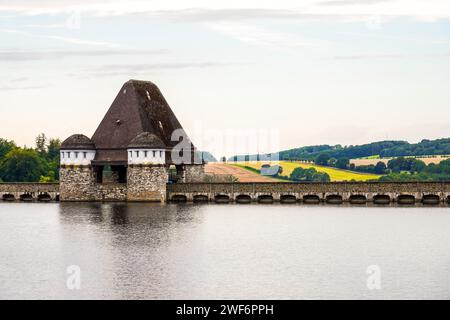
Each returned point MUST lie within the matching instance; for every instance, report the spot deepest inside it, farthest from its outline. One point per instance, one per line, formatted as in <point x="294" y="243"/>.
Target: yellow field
<point x="335" y="174"/>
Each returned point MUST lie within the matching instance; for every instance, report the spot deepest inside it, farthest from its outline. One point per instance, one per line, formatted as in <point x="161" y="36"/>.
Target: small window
<point x="154" y="153"/>
<point x="161" y="154"/>
<point x="137" y="154"/>
<point x="145" y="154"/>
<point x="84" y="154"/>
<point x="62" y="155"/>
<point x="76" y="155"/>
<point x="68" y="155"/>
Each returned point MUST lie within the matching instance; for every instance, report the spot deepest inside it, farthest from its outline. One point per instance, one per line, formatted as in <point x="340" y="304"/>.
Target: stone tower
<point x="147" y="171"/>
<point x="130" y="153"/>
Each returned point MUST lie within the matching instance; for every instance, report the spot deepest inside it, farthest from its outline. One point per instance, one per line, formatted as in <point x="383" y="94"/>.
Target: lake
<point x="187" y="251"/>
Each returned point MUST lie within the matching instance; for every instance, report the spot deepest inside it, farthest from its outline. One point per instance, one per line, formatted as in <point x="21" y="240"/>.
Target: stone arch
<point x="222" y="198"/>
<point x="200" y="198"/>
<point x="381" y="199"/>
<point x="288" y="198"/>
<point x="265" y="198"/>
<point x="243" y="198"/>
<point x="179" y="198"/>
<point x="26" y="197"/>
<point x="8" y="197"/>
<point x="44" y="197"/>
<point x="334" y="199"/>
<point x="311" y="199"/>
<point x="357" y="199"/>
<point x="406" y="199"/>
<point x="431" y="199"/>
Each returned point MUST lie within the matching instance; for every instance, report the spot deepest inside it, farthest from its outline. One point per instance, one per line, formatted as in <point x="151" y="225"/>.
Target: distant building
<point x="130" y="153"/>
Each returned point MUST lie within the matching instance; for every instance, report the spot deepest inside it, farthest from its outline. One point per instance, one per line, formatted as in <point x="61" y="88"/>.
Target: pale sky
<point x="308" y="72"/>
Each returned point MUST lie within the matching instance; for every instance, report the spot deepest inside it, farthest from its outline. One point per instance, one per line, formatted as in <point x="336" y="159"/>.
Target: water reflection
<point x="186" y="251"/>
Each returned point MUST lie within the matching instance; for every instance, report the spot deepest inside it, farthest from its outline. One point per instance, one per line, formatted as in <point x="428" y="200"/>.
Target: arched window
<point x="154" y="153"/>
<point x="76" y="154"/>
<point x="145" y="153"/>
<point x="84" y="154"/>
<point x="68" y="155"/>
<point x="62" y="155"/>
<point x="137" y="154"/>
<point x="161" y="154"/>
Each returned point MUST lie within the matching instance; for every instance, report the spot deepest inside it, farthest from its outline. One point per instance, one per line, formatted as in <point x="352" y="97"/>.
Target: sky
<point x="241" y="76"/>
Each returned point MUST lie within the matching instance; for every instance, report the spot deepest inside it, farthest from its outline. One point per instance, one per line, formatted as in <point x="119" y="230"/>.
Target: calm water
<point x="222" y="251"/>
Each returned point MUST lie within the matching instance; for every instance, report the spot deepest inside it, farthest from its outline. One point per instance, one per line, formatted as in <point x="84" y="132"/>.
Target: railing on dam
<point x="29" y="191"/>
<point x="311" y="192"/>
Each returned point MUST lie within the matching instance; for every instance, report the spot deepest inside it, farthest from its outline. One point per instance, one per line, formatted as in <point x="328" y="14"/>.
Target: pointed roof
<point x="138" y="107"/>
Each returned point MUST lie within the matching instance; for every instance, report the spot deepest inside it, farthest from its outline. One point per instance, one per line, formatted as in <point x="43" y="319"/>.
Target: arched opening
<point x="222" y="198"/>
<point x="406" y="199"/>
<point x="26" y="197"/>
<point x="8" y="197"/>
<point x="243" y="198"/>
<point x="431" y="199"/>
<point x="334" y="199"/>
<point x="57" y="197"/>
<point x="265" y="199"/>
<point x="44" y="197"/>
<point x="201" y="198"/>
<point x="173" y="178"/>
<point x="288" y="198"/>
<point x="311" y="199"/>
<point x="381" y="199"/>
<point x="357" y="199"/>
<point x="179" y="198"/>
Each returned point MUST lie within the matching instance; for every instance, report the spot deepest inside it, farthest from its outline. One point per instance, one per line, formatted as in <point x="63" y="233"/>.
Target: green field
<point x="334" y="173"/>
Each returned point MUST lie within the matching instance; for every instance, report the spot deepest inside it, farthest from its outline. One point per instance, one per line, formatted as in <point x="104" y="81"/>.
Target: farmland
<point x="374" y="160"/>
<point x="335" y="174"/>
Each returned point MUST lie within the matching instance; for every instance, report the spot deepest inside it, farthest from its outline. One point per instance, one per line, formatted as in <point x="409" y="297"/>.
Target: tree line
<point x="381" y="148"/>
<point x="23" y="164"/>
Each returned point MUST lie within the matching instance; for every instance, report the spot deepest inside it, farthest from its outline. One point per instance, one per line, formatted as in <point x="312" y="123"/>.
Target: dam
<point x="428" y="193"/>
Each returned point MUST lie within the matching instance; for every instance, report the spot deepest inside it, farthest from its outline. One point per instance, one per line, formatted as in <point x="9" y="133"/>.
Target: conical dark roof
<point x="146" y="140"/>
<point x="77" y="142"/>
<point x="139" y="107"/>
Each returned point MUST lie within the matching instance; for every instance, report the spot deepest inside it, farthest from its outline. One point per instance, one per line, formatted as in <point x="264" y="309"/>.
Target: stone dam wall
<point x="335" y="192"/>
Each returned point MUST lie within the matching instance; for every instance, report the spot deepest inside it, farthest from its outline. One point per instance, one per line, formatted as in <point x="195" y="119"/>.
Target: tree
<point x="322" y="159"/>
<point x="5" y="147"/>
<point x="41" y="141"/>
<point x="343" y="163"/>
<point x="310" y="174"/>
<point x="22" y="165"/>
<point x="53" y="149"/>
<point x="380" y="168"/>
<point x="332" y="162"/>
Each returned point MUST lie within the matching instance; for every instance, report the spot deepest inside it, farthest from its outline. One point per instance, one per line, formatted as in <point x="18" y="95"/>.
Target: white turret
<point x="77" y="150"/>
<point x="146" y="149"/>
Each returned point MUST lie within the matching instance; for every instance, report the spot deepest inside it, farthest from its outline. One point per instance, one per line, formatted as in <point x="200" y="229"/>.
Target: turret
<point x="77" y="150"/>
<point x="146" y="149"/>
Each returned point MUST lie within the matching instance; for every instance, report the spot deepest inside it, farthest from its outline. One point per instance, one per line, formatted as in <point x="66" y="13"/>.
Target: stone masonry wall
<point x="194" y="173"/>
<point x="77" y="183"/>
<point x="147" y="183"/>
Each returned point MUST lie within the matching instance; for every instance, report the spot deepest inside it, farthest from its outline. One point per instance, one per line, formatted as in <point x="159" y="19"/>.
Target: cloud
<point x="54" y="55"/>
<point x="391" y="56"/>
<point x="259" y="36"/>
<point x="127" y="69"/>
<point x="71" y="40"/>
<point x="234" y="9"/>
